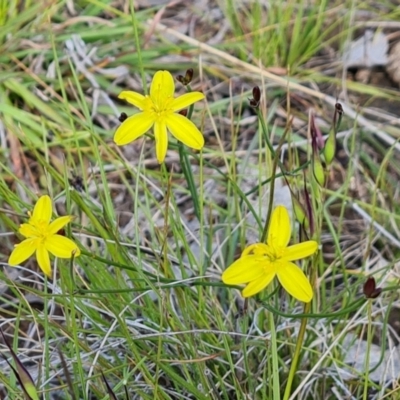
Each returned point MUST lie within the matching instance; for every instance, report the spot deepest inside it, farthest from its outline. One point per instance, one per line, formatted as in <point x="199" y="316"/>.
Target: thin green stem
<point x="138" y="45"/>
<point x="275" y="363"/>
<point x="271" y="201"/>
<point x="187" y="172"/>
<point x="296" y="357"/>
<point x="187" y="168"/>
<point x="367" y="353"/>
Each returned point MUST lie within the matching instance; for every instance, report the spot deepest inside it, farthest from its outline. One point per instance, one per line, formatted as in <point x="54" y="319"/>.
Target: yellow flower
<point x="160" y="110"/>
<point x="42" y="237"/>
<point x="260" y="262"/>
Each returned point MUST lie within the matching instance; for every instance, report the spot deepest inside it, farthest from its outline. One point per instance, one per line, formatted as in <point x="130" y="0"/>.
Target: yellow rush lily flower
<point x="159" y="110"/>
<point x="260" y="262"/>
<point x="42" y="237"/>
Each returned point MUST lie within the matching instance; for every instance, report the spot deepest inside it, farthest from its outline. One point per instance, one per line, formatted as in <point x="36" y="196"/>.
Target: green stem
<point x="138" y="45"/>
<point x="275" y="363"/>
<point x="187" y="172"/>
<point x="264" y="131"/>
<point x="296" y="357"/>
<point x="187" y="167"/>
<point x="271" y="200"/>
<point x="274" y="152"/>
<point x="300" y="337"/>
<point x="367" y="355"/>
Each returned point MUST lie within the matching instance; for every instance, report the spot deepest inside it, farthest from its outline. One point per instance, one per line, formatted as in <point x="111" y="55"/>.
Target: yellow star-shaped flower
<point x="260" y="262"/>
<point x="42" y="237"/>
<point x="159" y="110"/>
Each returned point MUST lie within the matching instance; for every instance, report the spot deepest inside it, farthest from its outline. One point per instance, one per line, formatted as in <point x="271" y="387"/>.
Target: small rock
<point x="393" y="65"/>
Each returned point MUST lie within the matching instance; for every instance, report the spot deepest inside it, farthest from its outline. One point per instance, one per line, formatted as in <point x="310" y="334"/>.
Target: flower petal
<point x="185" y="131"/>
<point x="28" y="230"/>
<point x="42" y="210"/>
<point x="61" y="246"/>
<point x="58" y="224"/>
<point x="300" y="250"/>
<point x="294" y="281"/>
<point x="244" y="270"/>
<point x="258" y="284"/>
<point x="161" y="136"/>
<point x="258" y="249"/>
<point x="279" y="229"/>
<point x="134" y="98"/>
<point x="132" y="128"/>
<point x="162" y="88"/>
<point x="22" y="251"/>
<point x="43" y="259"/>
<point x="186" y="100"/>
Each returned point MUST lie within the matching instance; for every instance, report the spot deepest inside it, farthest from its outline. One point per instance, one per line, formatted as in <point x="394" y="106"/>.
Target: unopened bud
<point x="370" y="290"/>
<point x="330" y="147"/>
<point x="318" y="169"/>
<point x="255" y="101"/>
<point x="122" y="117"/>
<point x="317" y="140"/>
<point x="339" y="109"/>
<point x="183" y="112"/>
<point x="185" y="80"/>
<point x="337" y="116"/>
<point x="299" y="211"/>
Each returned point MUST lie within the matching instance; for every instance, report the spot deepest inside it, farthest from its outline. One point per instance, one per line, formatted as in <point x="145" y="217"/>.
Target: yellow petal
<point x="279" y="229"/>
<point x="58" y="224"/>
<point x="132" y="128"/>
<point x="22" y="251"/>
<point x="294" y="281"/>
<point x="186" y="100"/>
<point x="42" y="210"/>
<point x="161" y="136"/>
<point x="300" y="250"/>
<point x="258" y="284"/>
<point x="258" y="249"/>
<point x="43" y="259"/>
<point x="28" y="230"/>
<point x="134" y="98"/>
<point x="185" y="131"/>
<point x="162" y="88"/>
<point x="244" y="270"/>
<point x="61" y="246"/>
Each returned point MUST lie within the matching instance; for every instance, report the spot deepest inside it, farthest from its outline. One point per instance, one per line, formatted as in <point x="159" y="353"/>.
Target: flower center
<point x="40" y="228"/>
<point x="159" y="106"/>
<point x="274" y="253"/>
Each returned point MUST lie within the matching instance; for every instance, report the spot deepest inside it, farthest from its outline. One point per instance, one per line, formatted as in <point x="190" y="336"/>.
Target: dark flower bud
<point x="255" y="101"/>
<point x="256" y="93"/>
<point x="370" y="290"/>
<point x="185" y="80"/>
<point x="122" y="117"/>
<point x="339" y="109"/>
<point x="337" y="116"/>
<point x="183" y="112"/>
